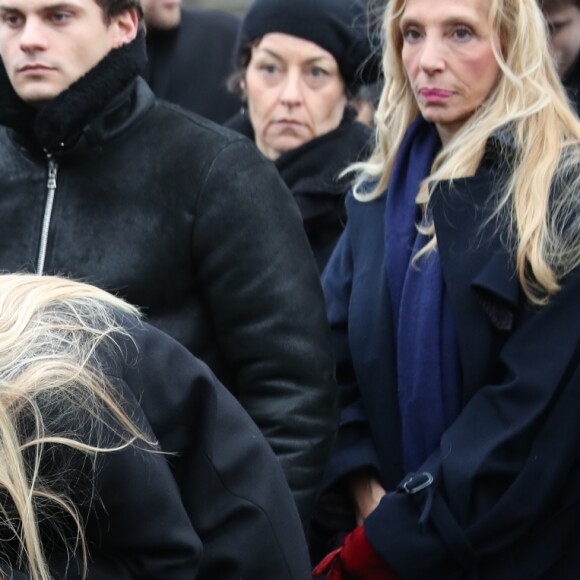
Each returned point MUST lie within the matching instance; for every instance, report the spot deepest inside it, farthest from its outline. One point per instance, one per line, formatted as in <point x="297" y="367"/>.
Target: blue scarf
<point x="427" y="353"/>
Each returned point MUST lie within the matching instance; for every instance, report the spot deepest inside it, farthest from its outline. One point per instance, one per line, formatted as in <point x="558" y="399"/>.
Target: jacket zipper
<point x="51" y="190"/>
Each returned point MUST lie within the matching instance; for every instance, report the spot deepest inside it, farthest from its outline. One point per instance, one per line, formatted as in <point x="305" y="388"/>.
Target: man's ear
<point x="126" y="26"/>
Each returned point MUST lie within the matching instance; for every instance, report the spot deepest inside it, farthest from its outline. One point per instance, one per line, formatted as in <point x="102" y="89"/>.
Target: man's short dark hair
<point x="112" y="8"/>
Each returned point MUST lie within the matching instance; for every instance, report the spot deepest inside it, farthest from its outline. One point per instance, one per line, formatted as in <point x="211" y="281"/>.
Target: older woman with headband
<point x="299" y="63"/>
<point x="85" y="491"/>
<point x="454" y="301"/>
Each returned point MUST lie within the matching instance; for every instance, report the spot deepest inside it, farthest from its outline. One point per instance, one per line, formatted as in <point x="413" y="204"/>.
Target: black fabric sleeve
<point x="261" y="284"/>
<point x="231" y="482"/>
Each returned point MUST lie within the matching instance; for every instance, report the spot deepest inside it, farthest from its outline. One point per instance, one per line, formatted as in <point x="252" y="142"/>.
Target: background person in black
<point x="563" y="18"/>
<point x="191" y="56"/>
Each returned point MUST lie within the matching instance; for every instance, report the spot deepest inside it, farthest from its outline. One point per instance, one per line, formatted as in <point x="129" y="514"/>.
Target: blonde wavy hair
<point x="54" y="395"/>
<point x="542" y="229"/>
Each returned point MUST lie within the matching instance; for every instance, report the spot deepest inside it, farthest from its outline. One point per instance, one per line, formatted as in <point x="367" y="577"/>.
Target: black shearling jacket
<point x="188" y="221"/>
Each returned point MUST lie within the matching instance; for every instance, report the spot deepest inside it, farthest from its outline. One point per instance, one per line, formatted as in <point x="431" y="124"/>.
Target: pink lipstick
<point x="435" y="95"/>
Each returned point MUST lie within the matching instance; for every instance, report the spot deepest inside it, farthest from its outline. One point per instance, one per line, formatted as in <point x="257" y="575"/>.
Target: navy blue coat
<point x="505" y="497"/>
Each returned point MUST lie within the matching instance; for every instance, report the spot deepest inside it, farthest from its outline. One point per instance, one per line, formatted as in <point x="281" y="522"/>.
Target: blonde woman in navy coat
<point x="454" y="299"/>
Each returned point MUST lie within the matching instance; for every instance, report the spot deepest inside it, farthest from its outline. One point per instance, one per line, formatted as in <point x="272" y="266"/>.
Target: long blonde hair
<point x="529" y="100"/>
<point x="53" y="394"/>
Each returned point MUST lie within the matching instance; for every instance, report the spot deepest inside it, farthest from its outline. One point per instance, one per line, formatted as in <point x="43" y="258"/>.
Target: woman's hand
<point x="367" y="492"/>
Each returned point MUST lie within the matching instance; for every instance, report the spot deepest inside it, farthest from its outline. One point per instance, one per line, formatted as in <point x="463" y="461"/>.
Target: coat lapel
<point x="371" y="335"/>
<point x="479" y="272"/>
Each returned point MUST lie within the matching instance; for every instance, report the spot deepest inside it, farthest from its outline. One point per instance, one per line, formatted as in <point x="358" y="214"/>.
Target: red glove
<point x="356" y="558"/>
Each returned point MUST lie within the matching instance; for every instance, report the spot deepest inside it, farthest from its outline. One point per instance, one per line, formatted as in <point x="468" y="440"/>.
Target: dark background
<point x="234" y="6"/>
<point x="239" y="6"/>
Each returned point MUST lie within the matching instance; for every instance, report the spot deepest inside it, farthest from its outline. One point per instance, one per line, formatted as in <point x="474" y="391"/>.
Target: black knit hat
<point x="338" y="26"/>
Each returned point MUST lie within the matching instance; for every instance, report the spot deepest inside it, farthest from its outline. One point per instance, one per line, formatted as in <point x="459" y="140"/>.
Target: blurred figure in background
<point x="299" y="64"/>
<point x="365" y="102"/>
<point x="563" y="17"/>
<point x="191" y="56"/>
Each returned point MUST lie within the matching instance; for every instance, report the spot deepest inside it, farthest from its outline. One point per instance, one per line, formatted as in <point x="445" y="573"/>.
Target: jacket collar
<point x="79" y="110"/>
<point x="314" y="167"/>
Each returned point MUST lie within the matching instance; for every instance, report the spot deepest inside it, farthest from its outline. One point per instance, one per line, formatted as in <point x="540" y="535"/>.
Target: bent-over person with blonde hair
<point x="121" y="455"/>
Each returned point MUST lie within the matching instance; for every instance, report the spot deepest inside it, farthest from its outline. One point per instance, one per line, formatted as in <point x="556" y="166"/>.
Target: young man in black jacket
<point x="99" y="181"/>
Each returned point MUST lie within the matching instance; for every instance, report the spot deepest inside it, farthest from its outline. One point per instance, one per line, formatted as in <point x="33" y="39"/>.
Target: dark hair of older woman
<point x="299" y="62"/>
<point x="453" y="297"/>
